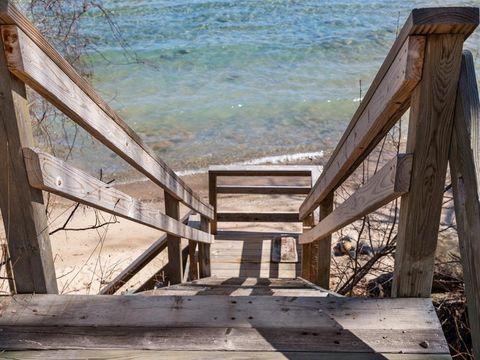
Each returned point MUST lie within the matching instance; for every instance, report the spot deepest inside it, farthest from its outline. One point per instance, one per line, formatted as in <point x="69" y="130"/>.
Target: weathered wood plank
<point x="464" y="175"/>
<point x="170" y="311"/>
<point x="390" y="99"/>
<point x="324" y="247"/>
<point x="228" y="291"/>
<point x="442" y="20"/>
<point x="269" y="190"/>
<point x="212" y="198"/>
<point x="33" y="66"/>
<point x="225" y="339"/>
<point x="125" y="354"/>
<point x="257" y="217"/>
<point x="22" y="208"/>
<point x="139" y="263"/>
<point x="204" y="251"/>
<point x="45" y="172"/>
<point x="261" y="170"/>
<point x="430" y="132"/>
<point x="388" y="183"/>
<point x="175" y="260"/>
<point x="261" y="323"/>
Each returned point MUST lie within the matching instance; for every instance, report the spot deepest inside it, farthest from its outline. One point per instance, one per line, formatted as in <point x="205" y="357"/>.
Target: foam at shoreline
<point x="275" y="159"/>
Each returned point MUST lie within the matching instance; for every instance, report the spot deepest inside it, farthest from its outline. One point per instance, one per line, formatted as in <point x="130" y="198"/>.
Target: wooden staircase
<point x="244" y="304"/>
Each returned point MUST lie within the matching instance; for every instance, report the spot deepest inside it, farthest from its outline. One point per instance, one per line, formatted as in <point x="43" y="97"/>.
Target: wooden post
<point x="175" y="261"/>
<point x="204" y="251"/>
<point x="212" y="196"/>
<point x="192" y="254"/>
<point x="324" y="248"/>
<point x="320" y="251"/>
<point x="308" y="223"/>
<point x="22" y="207"/>
<point x="429" y="135"/>
<point x="465" y="176"/>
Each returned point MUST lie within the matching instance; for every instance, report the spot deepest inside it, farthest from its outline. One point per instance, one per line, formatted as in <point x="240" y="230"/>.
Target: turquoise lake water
<point x="231" y="81"/>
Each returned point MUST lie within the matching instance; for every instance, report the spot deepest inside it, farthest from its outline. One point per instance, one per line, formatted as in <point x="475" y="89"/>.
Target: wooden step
<point x="241" y="287"/>
<point x="221" y="323"/>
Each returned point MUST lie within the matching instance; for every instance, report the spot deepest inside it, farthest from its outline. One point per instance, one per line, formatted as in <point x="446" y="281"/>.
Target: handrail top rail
<point x="421" y="21"/>
<point x="11" y="15"/>
<point x="249" y="170"/>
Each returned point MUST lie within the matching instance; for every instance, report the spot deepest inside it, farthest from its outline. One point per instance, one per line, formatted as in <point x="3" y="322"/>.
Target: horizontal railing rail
<point x="389" y="183"/>
<point x="46" y="172"/>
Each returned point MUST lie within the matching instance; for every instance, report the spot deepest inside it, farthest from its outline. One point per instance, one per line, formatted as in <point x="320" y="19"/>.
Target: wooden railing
<point x="28" y="59"/>
<point x="299" y="171"/>
<point x="421" y="72"/>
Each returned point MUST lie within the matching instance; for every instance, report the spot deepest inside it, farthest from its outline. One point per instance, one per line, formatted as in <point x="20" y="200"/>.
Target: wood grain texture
<point x="45" y="172"/>
<point x="390" y="98"/>
<point x="430" y="132"/>
<point x="257" y="217"/>
<point x="125" y="354"/>
<point x="23" y="210"/>
<point x="253" y="323"/>
<point x="464" y="175"/>
<point x="321" y="274"/>
<point x="174" y="246"/>
<point x="139" y="263"/>
<point x="204" y="251"/>
<point x="33" y="66"/>
<point x="390" y="182"/>
<point x="240" y="287"/>
<point x="269" y="190"/>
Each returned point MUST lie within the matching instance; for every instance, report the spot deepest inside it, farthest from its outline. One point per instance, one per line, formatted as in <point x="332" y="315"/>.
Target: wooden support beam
<point x="465" y="174"/>
<point x="174" y="243"/>
<point x="308" y="223"/>
<point x="320" y="251"/>
<point x="23" y="209"/>
<point x="35" y="67"/>
<point x="45" y="172"/>
<point x="204" y="251"/>
<point x="194" y="222"/>
<point x="212" y="197"/>
<point x="385" y="105"/>
<point x="257" y="217"/>
<point x="139" y="263"/>
<point x="268" y="190"/>
<point x="321" y="275"/>
<point x="429" y="135"/>
<point x="390" y="182"/>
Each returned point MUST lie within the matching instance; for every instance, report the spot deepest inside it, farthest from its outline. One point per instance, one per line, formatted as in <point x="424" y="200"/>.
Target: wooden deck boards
<point x="221" y="323"/>
<point x="207" y="355"/>
<point x="241" y="287"/>
<point x="248" y="254"/>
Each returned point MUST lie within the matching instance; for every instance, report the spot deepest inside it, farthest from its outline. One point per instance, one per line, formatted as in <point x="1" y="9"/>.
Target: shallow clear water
<point x="234" y="80"/>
